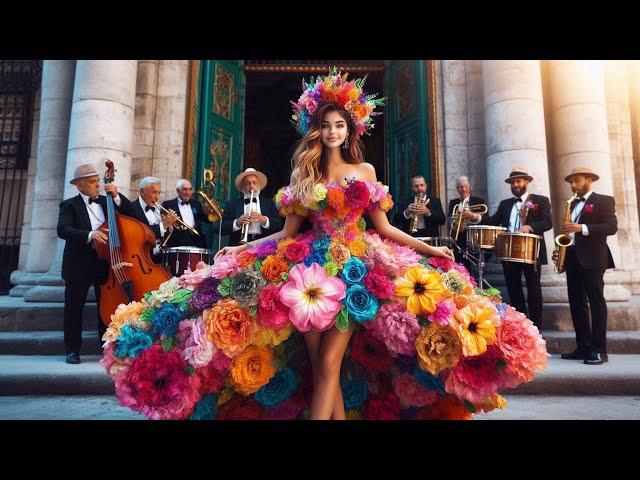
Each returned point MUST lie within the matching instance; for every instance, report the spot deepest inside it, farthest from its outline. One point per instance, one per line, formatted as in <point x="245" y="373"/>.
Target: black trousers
<point x="583" y="284"/>
<point x="513" y="277"/>
<point x="75" y="297"/>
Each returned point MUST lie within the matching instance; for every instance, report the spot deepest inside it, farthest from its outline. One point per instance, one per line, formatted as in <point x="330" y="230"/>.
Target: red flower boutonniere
<point x="531" y="206"/>
<point x="588" y="208"/>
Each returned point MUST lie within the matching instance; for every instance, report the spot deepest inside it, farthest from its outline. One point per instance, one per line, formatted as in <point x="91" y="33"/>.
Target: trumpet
<point x="563" y="241"/>
<point x="458" y="223"/>
<point x="419" y="199"/>
<point x="244" y="232"/>
<point x="181" y="224"/>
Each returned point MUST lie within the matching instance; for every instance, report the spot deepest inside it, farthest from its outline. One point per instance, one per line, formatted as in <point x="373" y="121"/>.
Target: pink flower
<point x="311" y="105"/>
<point x="313" y="297"/>
<point x="220" y="361"/>
<point x="522" y="346"/>
<point x="391" y="257"/>
<point x="226" y="266"/>
<point x="445" y="264"/>
<point x="396" y="328"/>
<point x="110" y="362"/>
<point x="531" y="206"/>
<point x="377" y="282"/>
<point x="272" y="313"/>
<point x="357" y="195"/>
<point x="297" y="251"/>
<point x="588" y="208"/>
<point x="444" y="312"/>
<point x="475" y="378"/>
<point x="190" y="280"/>
<point x="411" y="392"/>
<point x="196" y="349"/>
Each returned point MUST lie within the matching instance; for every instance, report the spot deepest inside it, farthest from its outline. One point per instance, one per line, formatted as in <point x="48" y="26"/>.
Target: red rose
<point x="297" y="251"/>
<point x="357" y="195"/>
<point x="370" y="352"/>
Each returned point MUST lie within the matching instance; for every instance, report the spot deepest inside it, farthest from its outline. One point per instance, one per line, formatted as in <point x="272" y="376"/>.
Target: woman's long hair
<point x="309" y="159"/>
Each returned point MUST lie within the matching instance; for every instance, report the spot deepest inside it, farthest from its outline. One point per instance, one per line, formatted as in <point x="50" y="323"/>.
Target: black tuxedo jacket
<point x="432" y="222"/>
<point x="184" y="238"/>
<point x="80" y="260"/>
<point x="134" y="210"/>
<point x="462" y="239"/>
<point x="599" y="215"/>
<point x="539" y="219"/>
<point x="234" y="208"/>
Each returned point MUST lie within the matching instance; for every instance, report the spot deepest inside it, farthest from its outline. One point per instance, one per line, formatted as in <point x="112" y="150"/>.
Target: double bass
<point x="132" y="272"/>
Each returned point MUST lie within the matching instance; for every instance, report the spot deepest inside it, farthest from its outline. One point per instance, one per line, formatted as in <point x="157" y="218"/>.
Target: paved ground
<point x="520" y="407"/>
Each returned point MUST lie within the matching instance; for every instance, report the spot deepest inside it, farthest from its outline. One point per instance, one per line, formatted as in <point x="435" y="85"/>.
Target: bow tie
<point x="184" y="203"/>
<point x="147" y="208"/>
<point x="518" y="199"/>
<point x="93" y="200"/>
<point x="247" y="201"/>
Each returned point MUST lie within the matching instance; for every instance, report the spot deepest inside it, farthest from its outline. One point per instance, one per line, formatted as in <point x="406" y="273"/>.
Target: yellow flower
<point x="491" y="403"/>
<point x="423" y="289"/>
<point x="476" y="327"/>
<point x="358" y="247"/>
<point x="270" y="337"/>
<point x="438" y="348"/>
<point x="354" y="93"/>
<point x="125" y="314"/>
<point x="319" y="192"/>
<point x="386" y="204"/>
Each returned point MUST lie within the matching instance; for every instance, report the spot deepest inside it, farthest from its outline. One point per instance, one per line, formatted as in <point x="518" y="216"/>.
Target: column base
<point x="23" y="281"/>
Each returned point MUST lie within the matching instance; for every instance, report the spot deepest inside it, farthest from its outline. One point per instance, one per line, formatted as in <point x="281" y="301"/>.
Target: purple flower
<point x="263" y="249"/>
<point x="206" y="295"/>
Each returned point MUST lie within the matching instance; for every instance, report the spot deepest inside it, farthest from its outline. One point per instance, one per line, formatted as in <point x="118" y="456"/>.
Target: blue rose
<point x="322" y="243"/>
<point x="429" y="381"/>
<point x="354" y="271"/>
<point x="166" y="319"/>
<point x="360" y="303"/>
<point x="132" y="341"/>
<point x="279" y="389"/>
<point x="315" y="257"/>
<point x="354" y="393"/>
<point x="205" y="409"/>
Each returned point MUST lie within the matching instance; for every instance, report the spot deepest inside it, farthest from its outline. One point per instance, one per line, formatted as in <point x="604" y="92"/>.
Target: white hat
<point x="262" y="178"/>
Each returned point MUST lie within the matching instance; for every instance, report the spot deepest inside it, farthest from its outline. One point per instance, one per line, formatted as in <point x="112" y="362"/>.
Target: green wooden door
<point x="407" y="124"/>
<point x="220" y="129"/>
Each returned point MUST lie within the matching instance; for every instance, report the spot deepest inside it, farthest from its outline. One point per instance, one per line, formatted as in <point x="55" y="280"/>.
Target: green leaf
<point x="190" y="370"/>
<point x="146" y="314"/>
<point x="257" y="265"/>
<point x="493" y="292"/>
<point x="342" y="320"/>
<point x="422" y="321"/>
<point x="253" y="311"/>
<point x="168" y="343"/>
<point x="331" y="269"/>
<point x="284" y="276"/>
<point x="501" y="364"/>
<point x="225" y="287"/>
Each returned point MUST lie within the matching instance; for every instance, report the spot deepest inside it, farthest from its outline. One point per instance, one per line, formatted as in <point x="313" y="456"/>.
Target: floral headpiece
<point x="334" y="88"/>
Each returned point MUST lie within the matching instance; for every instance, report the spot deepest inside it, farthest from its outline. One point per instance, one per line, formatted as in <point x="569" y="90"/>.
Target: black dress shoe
<point x="596" y="358"/>
<point x="73" y="358"/>
<point x="575" y="355"/>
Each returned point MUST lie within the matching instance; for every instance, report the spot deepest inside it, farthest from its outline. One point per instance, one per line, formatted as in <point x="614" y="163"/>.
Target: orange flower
<point x="269" y="337"/>
<point x="361" y="111"/>
<point x="246" y="259"/>
<point x="460" y="301"/>
<point x="438" y="348"/>
<point x="282" y="246"/>
<point x="335" y="198"/>
<point x="386" y="204"/>
<point x="229" y="327"/>
<point x="358" y="247"/>
<point x="447" y="407"/>
<point x="491" y="403"/>
<point x="476" y="326"/>
<point x="273" y="266"/>
<point x="252" y="369"/>
<point x="339" y="253"/>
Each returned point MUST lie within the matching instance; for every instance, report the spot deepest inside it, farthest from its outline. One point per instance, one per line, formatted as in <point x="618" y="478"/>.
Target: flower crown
<point x="334" y="88"/>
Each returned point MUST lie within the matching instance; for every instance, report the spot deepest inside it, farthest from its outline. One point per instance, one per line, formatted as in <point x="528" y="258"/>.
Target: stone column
<point x="624" y="185"/>
<point x="53" y="133"/>
<point x="476" y="129"/>
<point x="101" y="126"/>
<point x="144" y="122"/>
<point x="581" y="137"/>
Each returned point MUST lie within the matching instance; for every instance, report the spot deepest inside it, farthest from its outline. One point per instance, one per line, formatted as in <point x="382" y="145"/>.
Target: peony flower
<point x="444" y="312"/>
<point x="110" y="362"/>
<point x="361" y="305"/>
<point x="431" y="382"/>
<point x="319" y="192"/>
<point x="196" y="349"/>
<point x="353" y="271"/>
<point x="191" y="279"/>
<point x="225" y="266"/>
<point x="522" y="346"/>
<point x="228" y="326"/>
<point x="385" y="406"/>
<point x="245" y="287"/>
<point x="163" y="294"/>
<point x="357" y="195"/>
<point x="392" y="257"/>
<point x="272" y="313"/>
<point x="456" y="283"/>
<point x="165" y="320"/>
<point x="125" y="314"/>
<point x="252" y="369"/>
<point x="156" y="384"/>
<point x="397" y="328"/>
<point x="377" y="282"/>
<point x="339" y="253"/>
<point x="411" y="392"/>
<point x="297" y="251"/>
<point x="279" y="389"/>
<point x="246" y="259"/>
<point x="438" y="348"/>
<point x="422" y="289"/>
<point x="315" y="257"/>
<point x="205" y="295"/>
<point x="476" y="326"/>
<point x="264" y="249"/>
<point x="132" y="341"/>
<point x="212" y="380"/>
<point x="287" y="410"/>
<point x="321" y="244"/>
<point x="240" y="408"/>
<point x="354" y="393"/>
<point x="312" y="297"/>
<point x="475" y="378"/>
<point x="370" y="352"/>
<point x="273" y="267"/>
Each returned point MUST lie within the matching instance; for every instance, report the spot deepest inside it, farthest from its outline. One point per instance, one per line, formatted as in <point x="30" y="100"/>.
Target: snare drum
<point x="518" y="247"/>
<point x="483" y="236"/>
<point x="177" y="259"/>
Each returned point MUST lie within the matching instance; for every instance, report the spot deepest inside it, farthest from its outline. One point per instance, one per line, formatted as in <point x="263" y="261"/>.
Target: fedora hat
<point x="262" y="178"/>
<point x="83" y="171"/>
<point x="587" y="172"/>
<point x="518" y="172"/>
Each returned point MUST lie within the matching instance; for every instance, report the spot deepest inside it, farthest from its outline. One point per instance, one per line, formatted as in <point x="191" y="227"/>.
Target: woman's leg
<point x="327" y="388"/>
<point x="313" y="341"/>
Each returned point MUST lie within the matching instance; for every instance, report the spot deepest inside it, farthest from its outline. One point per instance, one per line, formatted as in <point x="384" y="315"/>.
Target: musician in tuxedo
<point x="525" y="212"/>
<point x="191" y="212"/>
<point x="463" y="186"/>
<point x="265" y="218"/>
<point x="593" y="219"/>
<point x="79" y="222"/>
<point x="145" y="210"/>
<point x="429" y="212"/>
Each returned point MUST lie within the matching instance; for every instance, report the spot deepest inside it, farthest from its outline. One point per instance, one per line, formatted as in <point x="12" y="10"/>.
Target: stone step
<point x="620" y="376"/>
<point x="621" y="316"/>
<point x="45" y="343"/>
<point x="18" y="315"/>
<point x="626" y="342"/>
<point x="50" y="375"/>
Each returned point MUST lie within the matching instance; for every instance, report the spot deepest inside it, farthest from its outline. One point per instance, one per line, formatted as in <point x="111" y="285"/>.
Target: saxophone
<point x="563" y="241"/>
<point x="419" y="199"/>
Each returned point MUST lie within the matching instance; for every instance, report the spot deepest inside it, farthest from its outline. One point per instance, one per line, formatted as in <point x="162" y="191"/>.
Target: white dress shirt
<point x="96" y="215"/>
<point x="575" y="215"/>
<point x="478" y="216"/>
<point x="514" y="219"/>
<point x="254" y="227"/>
<point x="186" y="213"/>
<point x="153" y="216"/>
